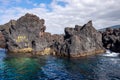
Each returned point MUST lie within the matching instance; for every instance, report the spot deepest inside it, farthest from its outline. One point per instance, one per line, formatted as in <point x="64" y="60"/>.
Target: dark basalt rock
<point x="28" y="32"/>
<point x="111" y="39"/>
<point x="80" y="41"/>
<point x="2" y="41"/>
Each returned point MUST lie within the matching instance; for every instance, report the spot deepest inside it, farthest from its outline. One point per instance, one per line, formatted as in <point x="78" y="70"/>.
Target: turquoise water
<point x="52" y="68"/>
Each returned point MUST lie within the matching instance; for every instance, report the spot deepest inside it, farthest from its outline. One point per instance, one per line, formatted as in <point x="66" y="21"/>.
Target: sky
<point x="59" y="14"/>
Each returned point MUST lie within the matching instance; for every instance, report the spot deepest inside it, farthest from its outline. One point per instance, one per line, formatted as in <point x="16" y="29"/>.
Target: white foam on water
<point x="111" y="54"/>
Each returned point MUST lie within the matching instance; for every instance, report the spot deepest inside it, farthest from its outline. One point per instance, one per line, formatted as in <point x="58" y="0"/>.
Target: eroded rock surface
<point x="2" y="41"/>
<point x="28" y="34"/>
<point x="80" y="41"/>
<point x="111" y="39"/>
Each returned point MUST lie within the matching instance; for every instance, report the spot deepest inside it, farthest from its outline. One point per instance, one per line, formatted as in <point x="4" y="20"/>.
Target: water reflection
<point x="54" y="68"/>
<point x="21" y="68"/>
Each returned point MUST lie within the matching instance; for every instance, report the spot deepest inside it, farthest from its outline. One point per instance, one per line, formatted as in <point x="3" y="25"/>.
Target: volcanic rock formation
<point x="80" y="41"/>
<point x="2" y="41"/>
<point x="28" y="34"/>
<point x="111" y="39"/>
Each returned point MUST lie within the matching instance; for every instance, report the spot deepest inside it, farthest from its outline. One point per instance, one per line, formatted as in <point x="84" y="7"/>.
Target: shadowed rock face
<point x="2" y="41"/>
<point x="80" y="41"/>
<point x="111" y="39"/>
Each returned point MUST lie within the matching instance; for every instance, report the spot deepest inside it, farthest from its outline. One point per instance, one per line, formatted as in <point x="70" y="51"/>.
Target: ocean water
<point x="99" y="67"/>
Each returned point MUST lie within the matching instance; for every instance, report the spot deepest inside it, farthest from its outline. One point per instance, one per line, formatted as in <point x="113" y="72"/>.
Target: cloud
<point x="66" y="13"/>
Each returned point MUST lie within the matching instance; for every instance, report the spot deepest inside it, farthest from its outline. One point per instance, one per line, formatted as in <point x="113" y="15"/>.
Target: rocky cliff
<point x="111" y="39"/>
<point x="80" y="41"/>
<point x="27" y="34"/>
<point x="2" y="41"/>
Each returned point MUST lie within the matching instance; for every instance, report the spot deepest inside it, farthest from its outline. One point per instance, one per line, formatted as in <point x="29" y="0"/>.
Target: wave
<point x="111" y="54"/>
